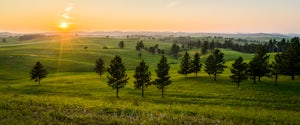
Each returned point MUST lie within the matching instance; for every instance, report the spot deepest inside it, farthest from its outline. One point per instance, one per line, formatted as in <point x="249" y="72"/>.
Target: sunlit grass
<point x="76" y="94"/>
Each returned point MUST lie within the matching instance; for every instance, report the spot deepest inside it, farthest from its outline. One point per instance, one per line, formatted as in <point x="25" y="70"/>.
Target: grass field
<point x="74" y="94"/>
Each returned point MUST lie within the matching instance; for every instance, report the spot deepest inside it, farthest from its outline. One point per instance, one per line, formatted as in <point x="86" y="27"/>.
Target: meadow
<point x="73" y="93"/>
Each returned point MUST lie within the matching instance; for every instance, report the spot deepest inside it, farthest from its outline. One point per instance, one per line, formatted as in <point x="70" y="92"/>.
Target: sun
<point x="64" y="25"/>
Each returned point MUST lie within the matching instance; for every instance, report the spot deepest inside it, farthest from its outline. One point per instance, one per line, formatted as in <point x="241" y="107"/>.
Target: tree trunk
<point x="238" y="84"/>
<point x="254" y="79"/>
<point x="196" y="74"/>
<point x="162" y="92"/>
<point x="142" y="91"/>
<point x="276" y="78"/>
<point x="215" y="77"/>
<point x="293" y="77"/>
<point x="259" y="79"/>
<point x="117" y="92"/>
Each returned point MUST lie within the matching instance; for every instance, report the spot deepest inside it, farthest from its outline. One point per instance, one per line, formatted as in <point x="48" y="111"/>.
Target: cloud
<point x="69" y="8"/>
<point x="66" y="16"/>
<point x="172" y="4"/>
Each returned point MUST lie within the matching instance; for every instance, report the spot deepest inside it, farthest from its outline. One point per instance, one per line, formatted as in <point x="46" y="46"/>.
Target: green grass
<point x="73" y="94"/>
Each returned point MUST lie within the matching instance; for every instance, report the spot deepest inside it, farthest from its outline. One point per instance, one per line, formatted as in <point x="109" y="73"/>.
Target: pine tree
<point x="117" y="77"/>
<point x="38" y="72"/>
<point x="100" y="68"/>
<point x="276" y="67"/>
<point x="291" y="59"/>
<point x="212" y="45"/>
<point x="121" y="44"/>
<point x="239" y="71"/>
<point x="162" y="72"/>
<point x="204" y="47"/>
<point x="210" y="65"/>
<point x="215" y="63"/>
<point x="196" y="66"/>
<point x="186" y="65"/>
<point x="174" y="50"/>
<point x="142" y="76"/>
<point x="258" y="66"/>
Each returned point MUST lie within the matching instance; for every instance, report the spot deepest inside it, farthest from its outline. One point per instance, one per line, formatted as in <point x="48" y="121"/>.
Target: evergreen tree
<point x="38" y="72"/>
<point x="291" y="59"/>
<point x="258" y="66"/>
<point x="210" y="65"/>
<point x="239" y="71"/>
<point x="215" y="63"/>
<point x="139" y="45"/>
<point x="276" y="67"/>
<point x="196" y="66"/>
<point x="100" y="68"/>
<point x="121" y="44"/>
<point x="204" y="47"/>
<point x="174" y="50"/>
<point x="186" y="65"/>
<point x="117" y="77"/>
<point x="142" y="76"/>
<point x="212" y="45"/>
<point x="162" y="72"/>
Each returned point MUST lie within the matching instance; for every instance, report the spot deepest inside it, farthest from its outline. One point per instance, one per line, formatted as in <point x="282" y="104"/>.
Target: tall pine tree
<point x="100" y="68"/>
<point x="117" y="77"/>
<point x="142" y="76"/>
<point x="291" y="59"/>
<point x="215" y="63"/>
<point x="204" y="47"/>
<point x="186" y="65"/>
<point x="239" y="71"/>
<point x="196" y="65"/>
<point x="162" y="72"/>
<point x="276" y="67"/>
<point x="258" y="66"/>
<point x="38" y="72"/>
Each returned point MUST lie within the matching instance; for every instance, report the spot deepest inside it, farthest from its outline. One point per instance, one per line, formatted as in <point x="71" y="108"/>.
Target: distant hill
<point x="163" y="34"/>
<point x="7" y="34"/>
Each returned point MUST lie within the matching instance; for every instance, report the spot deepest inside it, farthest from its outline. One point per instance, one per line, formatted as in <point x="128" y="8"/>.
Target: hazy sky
<point x="226" y="16"/>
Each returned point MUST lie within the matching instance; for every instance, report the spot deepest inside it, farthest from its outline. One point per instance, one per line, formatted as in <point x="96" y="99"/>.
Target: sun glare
<point x="63" y="25"/>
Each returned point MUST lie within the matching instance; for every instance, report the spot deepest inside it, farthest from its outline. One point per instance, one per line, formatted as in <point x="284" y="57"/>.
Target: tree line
<point x="285" y="63"/>
<point x="228" y="43"/>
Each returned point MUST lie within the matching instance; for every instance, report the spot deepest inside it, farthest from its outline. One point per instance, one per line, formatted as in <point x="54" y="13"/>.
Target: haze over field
<point x="226" y="16"/>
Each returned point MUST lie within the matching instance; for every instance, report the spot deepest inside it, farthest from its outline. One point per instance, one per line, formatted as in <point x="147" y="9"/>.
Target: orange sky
<point x="226" y="16"/>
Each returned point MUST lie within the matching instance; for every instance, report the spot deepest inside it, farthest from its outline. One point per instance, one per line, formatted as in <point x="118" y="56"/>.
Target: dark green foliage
<point x="209" y="65"/>
<point x="121" y="44"/>
<point x="38" y="72"/>
<point x="186" y="65"/>
<point x="139" y="45"/>
<point x="215" y="63"/>
<point x="162" y="72"/>
<point x="196" y="66"/>
<point x="117" y="77"/>
<point x="174" y="50"/>
<point x="291" y="59"/>
<point x="204" y="47"/>
<point x="142" y="76"/>
<point x="238" y="71"/>
<point x="258" y="66"/>
<point x="212" y="45"/>
<point x="276" y="67"/>
<point x="100" y="68"/>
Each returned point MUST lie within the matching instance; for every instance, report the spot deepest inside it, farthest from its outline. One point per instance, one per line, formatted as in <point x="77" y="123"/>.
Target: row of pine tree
<point x="285" y="63"/>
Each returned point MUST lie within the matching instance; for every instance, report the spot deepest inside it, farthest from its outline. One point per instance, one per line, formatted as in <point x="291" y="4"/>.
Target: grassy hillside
<point x="73" y="94"/>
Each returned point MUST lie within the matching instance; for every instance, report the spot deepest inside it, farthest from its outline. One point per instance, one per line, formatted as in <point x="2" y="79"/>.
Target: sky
<point x="218" y="16"/>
